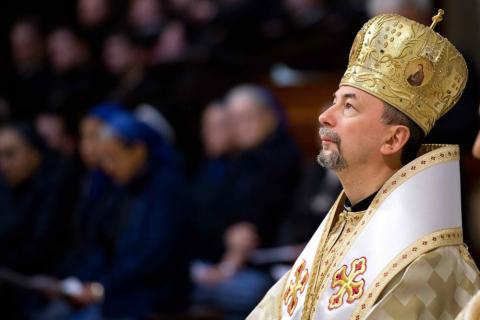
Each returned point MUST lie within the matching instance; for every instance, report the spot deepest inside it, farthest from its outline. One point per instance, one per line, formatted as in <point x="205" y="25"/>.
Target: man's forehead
<point x="346" y="91"/>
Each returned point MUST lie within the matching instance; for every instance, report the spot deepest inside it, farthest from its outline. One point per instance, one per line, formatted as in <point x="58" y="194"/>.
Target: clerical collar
<point x="361" y="206"/>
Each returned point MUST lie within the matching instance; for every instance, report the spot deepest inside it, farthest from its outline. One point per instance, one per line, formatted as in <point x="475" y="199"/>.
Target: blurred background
<point x="157" y="157"/>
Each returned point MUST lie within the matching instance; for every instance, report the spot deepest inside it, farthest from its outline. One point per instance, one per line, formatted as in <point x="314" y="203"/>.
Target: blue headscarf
<point x="99" y="182"/>
<point x="105" y="110"/>
<point x="124" y="126"/>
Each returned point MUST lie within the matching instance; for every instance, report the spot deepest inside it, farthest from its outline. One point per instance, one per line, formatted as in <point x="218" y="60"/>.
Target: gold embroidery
<point x="435" y="240"/>
<point x="347" y="283"/>
<point x="413" y="68"/>
<point x="316" y="280"/>
<point x="435" y="154"/>
<point x="290" y="296"/>
<point x="341" y="233"/>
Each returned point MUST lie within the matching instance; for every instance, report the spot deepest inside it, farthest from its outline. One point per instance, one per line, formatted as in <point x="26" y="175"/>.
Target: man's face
<point x="216" y="134"/>
<point x="27" y="44"/>
<point x="351" y="130"/>
<point x="92" y="12"/>
<point x="65" y="50"/>
<point x="17" y="159"/>
<point x="118" y="54"/>
<point x="476" y="147"/>
<point x="251" y="123"/>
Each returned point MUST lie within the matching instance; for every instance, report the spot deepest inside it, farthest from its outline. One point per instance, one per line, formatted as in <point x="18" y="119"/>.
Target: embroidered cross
<point x="295" y="287"/>
<point x="347" y="283"/>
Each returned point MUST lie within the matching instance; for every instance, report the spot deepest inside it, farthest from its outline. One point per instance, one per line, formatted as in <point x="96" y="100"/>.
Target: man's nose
<point x="327" y="118"/>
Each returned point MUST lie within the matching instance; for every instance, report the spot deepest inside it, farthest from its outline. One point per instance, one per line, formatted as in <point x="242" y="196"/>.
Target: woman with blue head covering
<point x="135" y="222"/>
<point x="145" y="241"/>
<point x="95" y="186"/>
<point x="128" y="145"/>
<point x="90" y="127"/>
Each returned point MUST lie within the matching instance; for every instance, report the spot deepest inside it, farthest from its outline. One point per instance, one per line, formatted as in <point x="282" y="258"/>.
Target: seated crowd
<point x="139" y="178"/>
<point x="120" y="231"/>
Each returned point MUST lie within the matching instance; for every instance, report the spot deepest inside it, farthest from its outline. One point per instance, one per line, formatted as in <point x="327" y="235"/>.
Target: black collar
<point x="360" y="206"/>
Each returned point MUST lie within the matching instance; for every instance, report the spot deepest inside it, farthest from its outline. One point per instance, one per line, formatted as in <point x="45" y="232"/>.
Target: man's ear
<point x="397" y="137"/>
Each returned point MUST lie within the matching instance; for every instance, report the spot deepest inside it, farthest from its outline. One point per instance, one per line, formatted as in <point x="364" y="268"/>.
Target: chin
<point x="326" y="151"/>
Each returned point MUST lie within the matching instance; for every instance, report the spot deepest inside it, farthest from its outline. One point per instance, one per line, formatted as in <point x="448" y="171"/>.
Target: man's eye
<point x="349" y="106"/>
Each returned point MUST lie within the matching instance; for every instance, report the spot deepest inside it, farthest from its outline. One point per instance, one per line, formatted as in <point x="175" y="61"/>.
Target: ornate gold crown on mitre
<point x="407" y="65"/>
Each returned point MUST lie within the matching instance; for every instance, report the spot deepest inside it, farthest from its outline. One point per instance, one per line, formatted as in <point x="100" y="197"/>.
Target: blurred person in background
<point x="476" y="147"/>
<point x="76" y="86"/>
<point x="418" y="10"/>
<point x="31" y="197"/>
<point x="304" y="34"/>
<point x="208" y="195"/>
<point x="127" y="60"/>
<point x="61" y="139"/>
<point x="34" y="213"/>
<point x="30" y="220"/>
<point x="171" y="45"/>
<point x="29" y="80"/>
<point x="88" y="224"/>
<point x="54" y="130"/>
<point x="67" y="50"/>
<point x="316" y="193"/>
<point x="93" y="13"/>
<point x="96" y="19"/>
<point x="142" y="262"/>
<point x="474" y="196"/>
<point x="216" y="133"/>
<point x="145" y="18"/>
<point x="254" y="197"/>
<point x="304" y="12"/>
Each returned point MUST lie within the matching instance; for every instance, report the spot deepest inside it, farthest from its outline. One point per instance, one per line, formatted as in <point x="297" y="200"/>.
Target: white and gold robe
<point x="402" y="258"/>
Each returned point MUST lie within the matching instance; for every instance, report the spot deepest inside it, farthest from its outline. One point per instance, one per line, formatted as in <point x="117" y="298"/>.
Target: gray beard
<point x="333" y="160"/>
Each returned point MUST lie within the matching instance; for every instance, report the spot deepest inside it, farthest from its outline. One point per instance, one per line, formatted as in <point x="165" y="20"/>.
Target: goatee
<point x="333" y="159"/>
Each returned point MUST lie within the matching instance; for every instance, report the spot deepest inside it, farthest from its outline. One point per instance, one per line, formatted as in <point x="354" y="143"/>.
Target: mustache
<point x="327" y="133"/>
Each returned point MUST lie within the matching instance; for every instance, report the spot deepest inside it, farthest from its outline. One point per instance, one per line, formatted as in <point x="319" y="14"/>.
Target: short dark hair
<point x="392" y="116"/>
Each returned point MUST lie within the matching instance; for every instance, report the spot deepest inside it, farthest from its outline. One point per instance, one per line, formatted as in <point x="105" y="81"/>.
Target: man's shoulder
<point x="438" y="283"/>
<point x="447" y="259"/>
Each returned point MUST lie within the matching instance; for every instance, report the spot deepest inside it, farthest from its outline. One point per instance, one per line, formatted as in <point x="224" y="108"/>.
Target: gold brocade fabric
<point x="342" y="229"/>
<point x="346" y="222"/>
<point x="472" y="310"/>
<point x="435" y="286"/>
<point x="340" y="233"/>
<point x="268" y="308"/>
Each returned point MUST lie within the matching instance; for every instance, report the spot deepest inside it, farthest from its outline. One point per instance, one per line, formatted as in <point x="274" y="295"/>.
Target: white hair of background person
<point x="376" y="7"/>
<point x="147" y="114"/>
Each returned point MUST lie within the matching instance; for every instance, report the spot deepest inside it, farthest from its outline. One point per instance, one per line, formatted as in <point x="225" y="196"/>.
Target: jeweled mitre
<point x="407" y="65"/>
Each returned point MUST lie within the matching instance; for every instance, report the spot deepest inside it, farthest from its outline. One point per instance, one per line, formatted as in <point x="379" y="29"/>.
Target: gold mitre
<point x="407" y="65"/>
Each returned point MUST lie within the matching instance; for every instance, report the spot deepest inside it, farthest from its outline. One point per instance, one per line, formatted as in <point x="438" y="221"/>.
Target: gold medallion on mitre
<point x="407" y="65"/>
